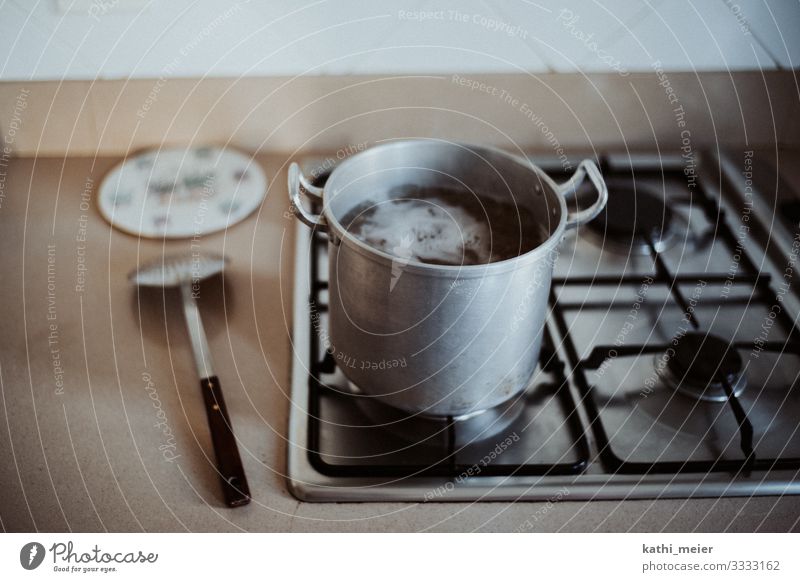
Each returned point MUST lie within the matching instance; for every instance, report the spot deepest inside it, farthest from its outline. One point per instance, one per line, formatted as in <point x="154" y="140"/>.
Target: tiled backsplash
<point x="117" y="39"/>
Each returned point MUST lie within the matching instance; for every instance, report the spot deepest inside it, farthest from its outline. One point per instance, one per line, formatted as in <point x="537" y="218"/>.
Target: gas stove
<point x="670" y="363"/>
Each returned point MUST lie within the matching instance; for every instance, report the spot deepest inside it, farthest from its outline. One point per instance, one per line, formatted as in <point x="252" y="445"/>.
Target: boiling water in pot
<point x="445" y="226"/>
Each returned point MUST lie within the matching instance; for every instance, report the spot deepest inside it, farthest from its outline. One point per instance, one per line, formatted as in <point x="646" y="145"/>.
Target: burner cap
<point x="698" y="362"/>
<point x="633" y="216"/>
<point x="415" y="428"/>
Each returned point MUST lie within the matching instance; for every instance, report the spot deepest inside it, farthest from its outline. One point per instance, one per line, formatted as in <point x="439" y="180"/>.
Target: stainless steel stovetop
<point x="670" y="365"/>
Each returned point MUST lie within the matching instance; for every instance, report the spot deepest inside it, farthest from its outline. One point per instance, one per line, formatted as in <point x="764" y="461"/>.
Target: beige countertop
<point x="87" y="445"/>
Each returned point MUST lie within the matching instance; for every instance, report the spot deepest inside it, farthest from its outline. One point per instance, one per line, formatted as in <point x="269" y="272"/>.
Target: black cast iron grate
<point x="762" y="291"/>
<point x="448" y="466"/>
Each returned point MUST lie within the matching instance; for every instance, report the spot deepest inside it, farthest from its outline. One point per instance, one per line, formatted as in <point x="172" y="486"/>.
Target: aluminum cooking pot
<point x="439" y="340"/>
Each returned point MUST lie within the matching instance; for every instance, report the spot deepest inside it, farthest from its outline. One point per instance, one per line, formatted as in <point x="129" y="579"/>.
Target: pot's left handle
<point x="587" y="168"/>
<point x="299" y="184"/>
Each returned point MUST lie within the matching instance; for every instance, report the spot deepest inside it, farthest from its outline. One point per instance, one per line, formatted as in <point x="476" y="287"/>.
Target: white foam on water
<point x="426" y="231"/>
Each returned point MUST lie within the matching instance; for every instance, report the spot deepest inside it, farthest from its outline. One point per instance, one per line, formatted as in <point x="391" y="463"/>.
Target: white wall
<point x="114" y="39"/>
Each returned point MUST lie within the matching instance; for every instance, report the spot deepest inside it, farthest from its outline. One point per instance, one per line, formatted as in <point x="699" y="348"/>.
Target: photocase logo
<point x="31" y="555"/>
<point x="403" y="253"/>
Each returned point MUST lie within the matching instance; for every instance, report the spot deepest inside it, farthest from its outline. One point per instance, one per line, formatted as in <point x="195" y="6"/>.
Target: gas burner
<point x="464" y="430"/>
<point x="698" y="364"/>
<point x="633" y="216"/>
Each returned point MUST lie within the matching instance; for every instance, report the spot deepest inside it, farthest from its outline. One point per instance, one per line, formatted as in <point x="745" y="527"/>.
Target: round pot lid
<point x="181" y="192"/>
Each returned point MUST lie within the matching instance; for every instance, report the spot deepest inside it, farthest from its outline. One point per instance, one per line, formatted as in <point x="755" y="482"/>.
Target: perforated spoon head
<point x="174" y="270"/>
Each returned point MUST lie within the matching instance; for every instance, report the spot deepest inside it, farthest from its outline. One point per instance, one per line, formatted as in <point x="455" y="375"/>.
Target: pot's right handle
<point x="299" y="184"/>
<point x="568" y="189"/>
